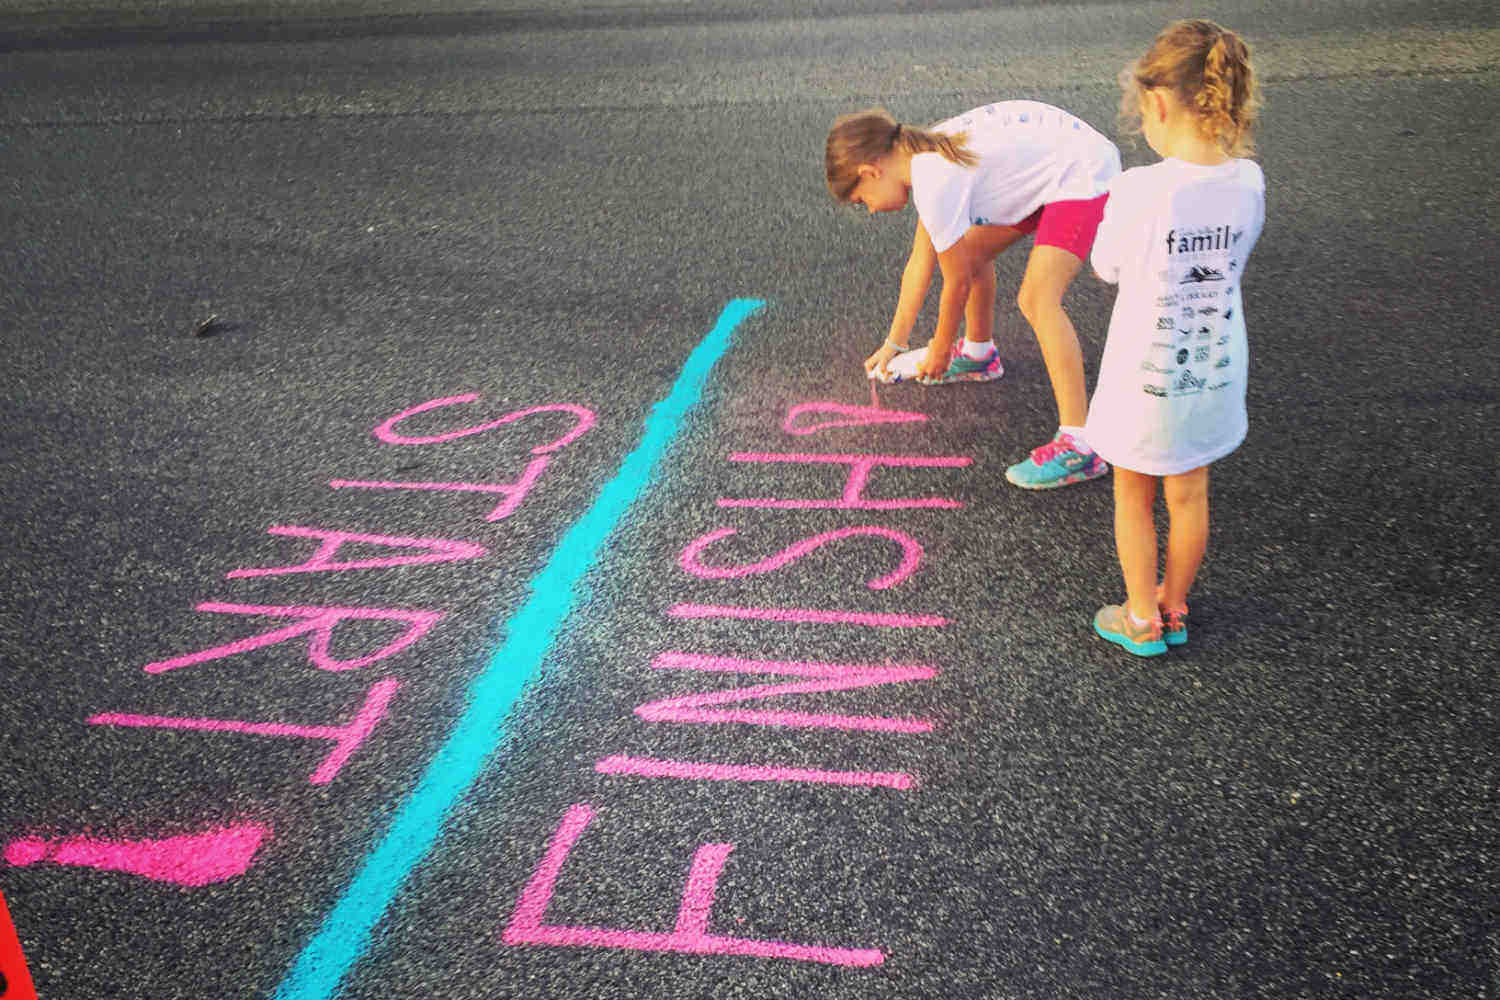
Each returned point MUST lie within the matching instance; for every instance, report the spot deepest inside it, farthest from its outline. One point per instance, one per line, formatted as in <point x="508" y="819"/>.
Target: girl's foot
<point x="962" y="368"/>
<point x="1056" y="463"/>
<point x="1114" y="623"/>
<point x="1173" y="621"/>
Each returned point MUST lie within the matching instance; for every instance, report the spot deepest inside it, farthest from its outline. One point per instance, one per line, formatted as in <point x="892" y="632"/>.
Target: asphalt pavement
<point x="428" y="440"/>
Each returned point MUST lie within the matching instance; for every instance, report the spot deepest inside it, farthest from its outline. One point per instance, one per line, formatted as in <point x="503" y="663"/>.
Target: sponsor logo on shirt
<point x="1182" y="356"/>
<point x="1208" y="310"/>
<point x="1222" y="362"/>
<point x="1204" y="333"/>
<point x="1199" y="273"/>
<point x="1220" y="385"/>
<point x="1187" y="383"/>
<point x="1162" y="346"/>
<point x="1154" y="390"/>
<point x="1222" y="341"/>
<point x="1165" y="323"/>
<point x="1200" y="353"/>
<point x="1151" y="366"/>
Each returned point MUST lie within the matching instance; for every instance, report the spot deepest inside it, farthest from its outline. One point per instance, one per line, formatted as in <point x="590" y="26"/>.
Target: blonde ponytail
<point x="953" y="148"/>
<point x="1226" y="101"/>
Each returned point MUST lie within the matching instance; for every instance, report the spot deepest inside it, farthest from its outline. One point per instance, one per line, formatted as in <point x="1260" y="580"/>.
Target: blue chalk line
<point x="332" y="952"/>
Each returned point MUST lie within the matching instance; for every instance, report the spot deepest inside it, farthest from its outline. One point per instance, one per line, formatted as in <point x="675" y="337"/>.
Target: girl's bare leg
<point x="1187" y="534"/>
<point x="1135" y="539"/>
<point x="1049" y="272"/>
<point x="979" y="311"/>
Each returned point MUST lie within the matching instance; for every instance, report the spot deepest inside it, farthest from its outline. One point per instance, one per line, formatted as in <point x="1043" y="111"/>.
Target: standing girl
<point x="980" y="182"/>
<point x="1176" y="236"/>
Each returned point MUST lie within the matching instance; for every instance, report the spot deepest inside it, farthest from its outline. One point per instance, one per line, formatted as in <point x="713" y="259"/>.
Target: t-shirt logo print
<point x="1186" y="383"/>
<point x="1200" y="273"/>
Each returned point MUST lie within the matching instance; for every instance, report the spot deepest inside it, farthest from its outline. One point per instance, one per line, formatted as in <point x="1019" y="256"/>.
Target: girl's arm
<point x="915" y="280"/>
<point x="958" y="263"/>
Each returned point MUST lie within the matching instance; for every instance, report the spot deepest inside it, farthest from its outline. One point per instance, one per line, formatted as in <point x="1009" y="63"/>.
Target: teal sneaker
<point x="1173" y="621"/>
<point x="1056" y="463"/>
<point x="962" y="368"/>
<point x="1113" y="623"/>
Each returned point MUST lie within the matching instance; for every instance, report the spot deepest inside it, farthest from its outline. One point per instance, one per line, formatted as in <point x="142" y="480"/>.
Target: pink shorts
<point x="1067" y="225"/>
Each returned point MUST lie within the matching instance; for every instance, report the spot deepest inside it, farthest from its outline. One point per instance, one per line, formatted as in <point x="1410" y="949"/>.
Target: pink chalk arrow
<point x="191" y="860"/>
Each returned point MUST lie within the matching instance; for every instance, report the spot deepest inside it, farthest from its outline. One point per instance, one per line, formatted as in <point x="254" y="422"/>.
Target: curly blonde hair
<point x="1208" y="68"/>
<point x="866" y="136"/>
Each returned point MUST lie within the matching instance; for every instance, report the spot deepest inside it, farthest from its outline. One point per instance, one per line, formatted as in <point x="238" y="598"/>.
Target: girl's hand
<point x="935" y="364"/>
<point x="881" y="359"/>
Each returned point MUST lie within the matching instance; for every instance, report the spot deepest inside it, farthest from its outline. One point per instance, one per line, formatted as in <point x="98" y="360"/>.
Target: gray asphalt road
<point x="507" y="207"/>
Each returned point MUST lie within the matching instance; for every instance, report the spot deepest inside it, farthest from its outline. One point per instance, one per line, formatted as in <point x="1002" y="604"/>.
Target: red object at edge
<point x="15" y="981"/>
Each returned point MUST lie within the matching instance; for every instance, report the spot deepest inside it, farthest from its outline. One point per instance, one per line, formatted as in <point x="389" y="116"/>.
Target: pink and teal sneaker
<point x="1113" y="623"/>
<point x="962" y="368"/>
<point x="1173" y="620"/>
<point x="1056" y="463"/>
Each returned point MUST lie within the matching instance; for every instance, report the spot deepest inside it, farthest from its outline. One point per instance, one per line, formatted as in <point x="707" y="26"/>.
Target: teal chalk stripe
<point x="418" y="824"/>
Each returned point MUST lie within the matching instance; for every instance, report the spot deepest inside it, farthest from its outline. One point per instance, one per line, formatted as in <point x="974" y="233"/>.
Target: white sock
<point x="1076" y="433"/>
<point x="1137" y="622"/>
<point x="976" y="351"/>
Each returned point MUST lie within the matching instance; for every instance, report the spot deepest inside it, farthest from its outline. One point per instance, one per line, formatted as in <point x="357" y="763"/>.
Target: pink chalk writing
<point x="689" y="935"/>
<point x="584" y="417"/>
<point x="824" y="677"/>
<point x="191" y="860"/>
<point x="322" y="561"/>
<point x="319" y="622"/>
<point x="910" y="547"/>
<point x="854" y="486"/>
<point x="853" y="416"/>
<point x="513" y="493"/>
<point x="346" y="738"/>
<point x="643" y="767"/>
<point x="808" y="615"/>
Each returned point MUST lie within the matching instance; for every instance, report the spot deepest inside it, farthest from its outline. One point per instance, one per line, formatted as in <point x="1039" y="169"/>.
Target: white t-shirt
<point x="1177" y="237"/>
<point x="1030" y="154"/>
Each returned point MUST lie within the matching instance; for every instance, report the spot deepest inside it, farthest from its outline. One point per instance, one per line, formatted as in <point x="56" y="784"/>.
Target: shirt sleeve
<point x="940" y="190"/>
<point x="1110" y="242"/>
<point x="1259" y="181"/>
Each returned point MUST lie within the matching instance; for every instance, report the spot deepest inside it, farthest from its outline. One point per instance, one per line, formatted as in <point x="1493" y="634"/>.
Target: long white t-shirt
<point x="1030" y="154"/>
<point x="1176" y="236"/>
